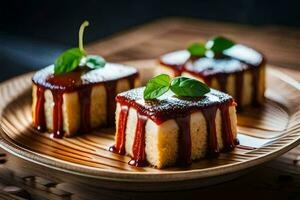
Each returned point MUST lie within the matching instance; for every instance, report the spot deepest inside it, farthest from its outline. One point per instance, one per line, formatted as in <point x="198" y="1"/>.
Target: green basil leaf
<point x="157" y="86"/>
<point x="95" y="62"/>
<point x="197" y="49"/>
<point x="68" y="61"/>
<point x="188" y="87"/>
<point x="219" y="44"/>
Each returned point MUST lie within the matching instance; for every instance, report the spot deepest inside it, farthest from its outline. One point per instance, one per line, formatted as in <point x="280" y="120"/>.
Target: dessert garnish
<point x="220" y="63"/>
<point x="77" y="93"/>
<point x="172" y="130"/>
<point x="73" y="58"/>
<point x="180" y="86"/>
<point x="215" y="45"/>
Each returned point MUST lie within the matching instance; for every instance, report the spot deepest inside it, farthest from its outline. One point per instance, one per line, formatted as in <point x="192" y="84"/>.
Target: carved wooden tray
<point x="264" y="133"/>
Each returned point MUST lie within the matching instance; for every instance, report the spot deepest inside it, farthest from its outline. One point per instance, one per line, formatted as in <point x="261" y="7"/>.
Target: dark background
<point x="33" y="33"/>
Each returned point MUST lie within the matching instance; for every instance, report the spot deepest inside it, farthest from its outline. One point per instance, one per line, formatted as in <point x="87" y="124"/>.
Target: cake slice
<point x="173" y="130"/>
<point x="75" y="102"/>
<point x="238" y="71"/>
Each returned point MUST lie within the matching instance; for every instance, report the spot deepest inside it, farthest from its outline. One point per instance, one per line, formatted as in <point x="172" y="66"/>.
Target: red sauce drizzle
<point x="223" y="77"/>
<point x="184" y="132"/>
<point x="72" y="82"/>
<point x="239" y="80"/>
<point x="184" y="140"/>
<point x="228" y="141"/>
<point x="138" y="148"/>
<point x="39" y="121"/>
<point x="110" y="88"/>
<point x="119" y="147"/>
<point x="210" y="117"/>
<point x="85" y="109"/>
<point x="57" y="120"/>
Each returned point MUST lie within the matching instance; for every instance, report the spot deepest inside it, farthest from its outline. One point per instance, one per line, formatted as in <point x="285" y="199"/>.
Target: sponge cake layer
<point x="239" y="71"/>
<point x="78" y="101"/>
<point x="170" y="131"/>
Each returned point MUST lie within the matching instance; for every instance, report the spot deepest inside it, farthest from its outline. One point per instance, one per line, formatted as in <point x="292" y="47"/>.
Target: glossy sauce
<point x="110" y="88"/>
<point x="138" y="148"/>
<point x="57" y="129"/>
<point x="229" y="142"/>
<point x="176" y="61"/>
<point x="184" y="140"/>
<point x="170" y="107"/>
<point x="39" y="121"/>
<point x="85" y="111"/>
<point x="119" y="147"/>
<point x="236" y="60"/>
<point x="81" y="81"/>
<point x="210" y="118"/>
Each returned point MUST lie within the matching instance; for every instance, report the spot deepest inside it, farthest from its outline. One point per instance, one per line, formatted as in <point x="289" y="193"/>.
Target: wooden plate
<point x="264" y="133"/>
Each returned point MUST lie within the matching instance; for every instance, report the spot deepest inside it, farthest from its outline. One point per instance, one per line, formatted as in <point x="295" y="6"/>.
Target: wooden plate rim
<point x="9" y="145"/>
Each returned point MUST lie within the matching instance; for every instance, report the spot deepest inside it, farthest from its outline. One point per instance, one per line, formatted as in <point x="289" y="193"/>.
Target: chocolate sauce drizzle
<point x="181" y="114"/>
<point x="72" y="82"/>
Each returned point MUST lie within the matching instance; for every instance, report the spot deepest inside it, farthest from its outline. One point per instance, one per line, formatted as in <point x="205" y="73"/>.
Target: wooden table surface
<point x="278" y="179"/>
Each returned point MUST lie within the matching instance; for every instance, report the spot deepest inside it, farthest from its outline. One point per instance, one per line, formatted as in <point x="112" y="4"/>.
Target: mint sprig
<point x="188" y="87"/>
<point x="73" y="58"/>
<point x="94" y="61"/>
<point x="68" y="61"/>
<point x="180" y="86"/>
<point x="197" y="49"/>
<point x="217" y="45"/>
<point x="157" y="86"/>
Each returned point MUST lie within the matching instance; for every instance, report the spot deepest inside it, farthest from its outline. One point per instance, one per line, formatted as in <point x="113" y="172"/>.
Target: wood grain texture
<point x="87" y="155"/>
<point x="279" y="44"/>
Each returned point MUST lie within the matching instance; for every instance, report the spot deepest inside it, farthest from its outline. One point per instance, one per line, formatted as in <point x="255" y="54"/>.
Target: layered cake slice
<point x="77" y="101"/>
<point x="232" y="68"/>
<point x="172" y="130"/>
<point x="78" y="92"/>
